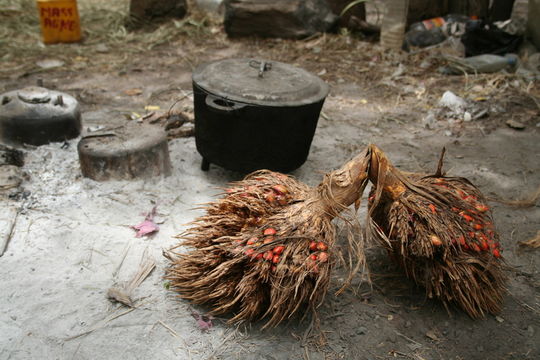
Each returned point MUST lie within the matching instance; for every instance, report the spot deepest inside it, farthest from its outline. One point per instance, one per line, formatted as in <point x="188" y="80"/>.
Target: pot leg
<point x="205" y="165"/>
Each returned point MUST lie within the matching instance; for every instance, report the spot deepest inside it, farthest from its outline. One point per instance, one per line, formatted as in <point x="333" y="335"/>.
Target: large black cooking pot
<point x="253" y="115"/>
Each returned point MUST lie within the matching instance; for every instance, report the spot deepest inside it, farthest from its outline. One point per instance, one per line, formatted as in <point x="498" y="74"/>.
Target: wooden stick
<point x="7" y="224"/>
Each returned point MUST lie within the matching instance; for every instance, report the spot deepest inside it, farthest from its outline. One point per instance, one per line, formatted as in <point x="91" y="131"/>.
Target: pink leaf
<point x="204" y="322"/>
<point x="148" y="226"/>
<point x="204" y="325"/>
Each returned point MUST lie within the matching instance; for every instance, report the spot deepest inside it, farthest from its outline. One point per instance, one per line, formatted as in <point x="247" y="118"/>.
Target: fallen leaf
<point x="133" y="92"/>
<point x="534" y="242"/>
<point x="515" y="124"/>
<point x="148" y="226"/>
<point x="151" y="107"/>
<point x="204" y="322"/>
<point x="414" y="346"/>
<point x="431" y="334"/>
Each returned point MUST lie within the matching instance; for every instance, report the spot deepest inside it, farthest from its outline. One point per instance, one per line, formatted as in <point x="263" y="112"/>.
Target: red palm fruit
<point x="280" y="189"/>
<point x="313" y="246"/>
<point x="432" y="208"/>
<point x="439" y="181"/>
<point x="268" y="239"/>
<point x="462" y="240"/>
<point x="282" y="200"/>
<point x="435" y="240"/>
<point x="269" y="231"/>
<point x="481" y="208"/>
<point x="322" y="246"/>
<point x="273" y="268"/>
<point x="279" y="249"/>
<point x="496" y="253"/>
<point x="313" y="257"/>
<point x="259" y="256"/>
<point x="252" y="241"/>
<point x="478" y="226"/>
<point x="484" y="245"/>
<point x="270" y="198"/>
<point x="466" y="217"/>
<point x="268" y="255"/>
<point x="275" y="259"/>
<point x="481" y="236"/>
<point x="249" y="252"/>
<point x="323" y="257"/>
<point x="475" y="247"/>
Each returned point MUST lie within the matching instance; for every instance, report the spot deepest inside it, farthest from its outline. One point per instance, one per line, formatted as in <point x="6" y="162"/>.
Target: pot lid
<point x="34" y="95"/>
<point x="269" y="83"/>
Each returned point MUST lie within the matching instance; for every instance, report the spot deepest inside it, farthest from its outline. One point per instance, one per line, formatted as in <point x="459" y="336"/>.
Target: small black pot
<point x="36" y="116"/>
<point x="253" y="115"/>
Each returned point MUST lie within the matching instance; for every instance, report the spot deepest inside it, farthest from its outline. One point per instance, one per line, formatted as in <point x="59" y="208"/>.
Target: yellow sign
<point x="59" y="21"/>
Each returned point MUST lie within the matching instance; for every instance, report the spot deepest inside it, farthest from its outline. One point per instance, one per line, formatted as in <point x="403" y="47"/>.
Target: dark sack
<point x="489" y="39"/>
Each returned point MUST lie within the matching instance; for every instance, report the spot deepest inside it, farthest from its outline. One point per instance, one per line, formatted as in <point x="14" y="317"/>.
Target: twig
<point x="407" y="338"/>
<point x="124" y="253"/>
<point x="100" y="325"/>
<point x="175" y="334"/>
<point x="533" y="242"/>
<point x="13" y="214"/>
<point x="527" y="202"/>
<point x="177" y="101"/>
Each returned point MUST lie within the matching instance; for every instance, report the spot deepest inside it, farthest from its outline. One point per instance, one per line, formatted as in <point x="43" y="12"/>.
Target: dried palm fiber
<point x="265" y="249"/>
<point x="440" y="231"/>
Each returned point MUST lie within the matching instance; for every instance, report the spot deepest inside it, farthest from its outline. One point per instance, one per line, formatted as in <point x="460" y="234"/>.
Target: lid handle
<point x="261" y="65"/>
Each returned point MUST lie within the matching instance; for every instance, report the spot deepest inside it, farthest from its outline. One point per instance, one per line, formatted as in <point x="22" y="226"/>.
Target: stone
<point x="130" y="152"/>
<point x="154" y="9"/>
<point x="361" y="330"/>
<point x="293" y="19"/>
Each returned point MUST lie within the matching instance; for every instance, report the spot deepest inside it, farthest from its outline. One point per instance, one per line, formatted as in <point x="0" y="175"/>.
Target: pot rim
<point x="199" y="80"/>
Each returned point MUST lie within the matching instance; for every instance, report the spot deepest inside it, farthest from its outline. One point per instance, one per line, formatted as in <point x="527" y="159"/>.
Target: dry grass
<point x="105" y="27"/>
<point x="532" y="242"/>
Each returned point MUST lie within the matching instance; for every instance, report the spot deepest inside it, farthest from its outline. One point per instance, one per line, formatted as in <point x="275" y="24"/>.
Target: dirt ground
<point x="72" y="233"/>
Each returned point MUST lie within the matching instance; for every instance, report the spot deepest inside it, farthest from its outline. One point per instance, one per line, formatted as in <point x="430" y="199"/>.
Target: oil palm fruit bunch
<point x="440" y="231"/>
<point x="265" y="249"/>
